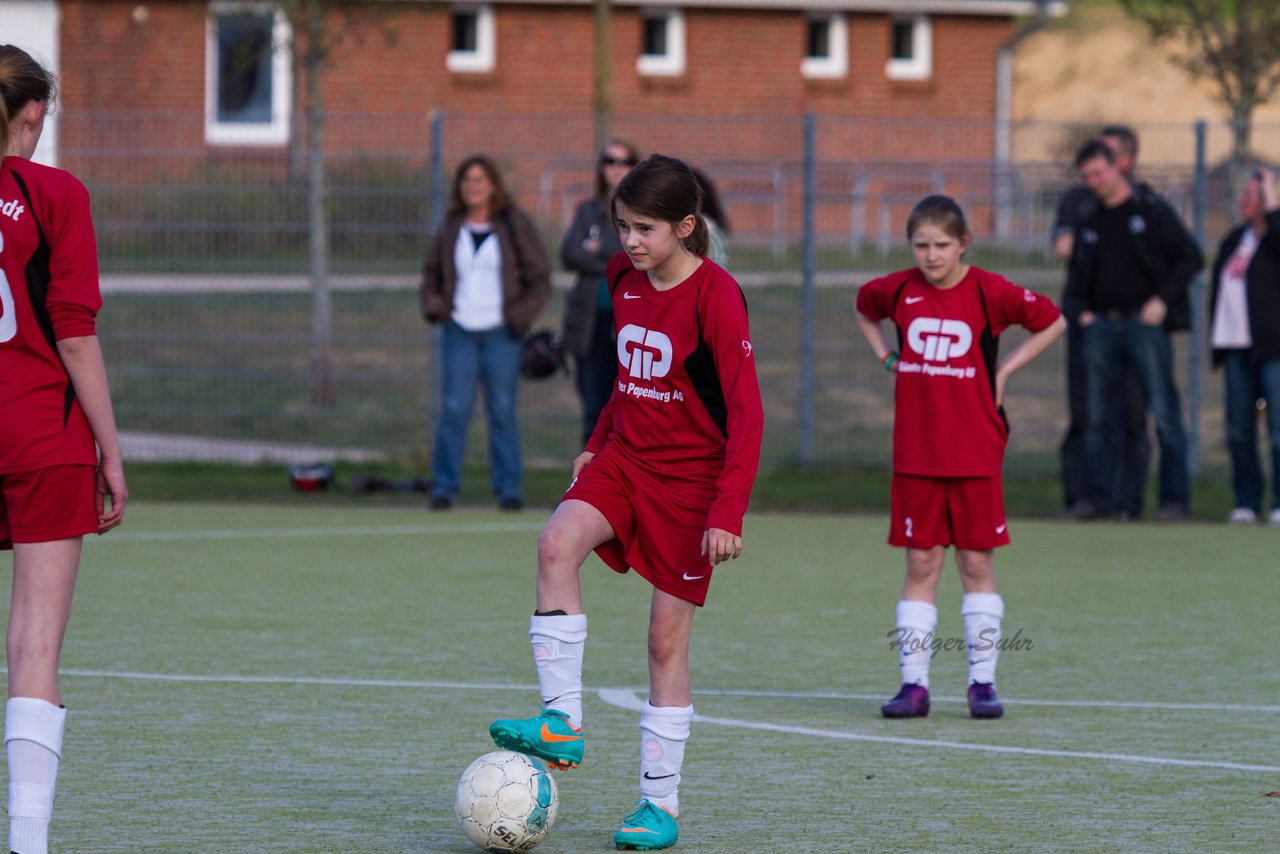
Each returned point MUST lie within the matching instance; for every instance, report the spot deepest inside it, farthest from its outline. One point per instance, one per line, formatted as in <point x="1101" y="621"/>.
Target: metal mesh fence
<point x="205" y="258"/>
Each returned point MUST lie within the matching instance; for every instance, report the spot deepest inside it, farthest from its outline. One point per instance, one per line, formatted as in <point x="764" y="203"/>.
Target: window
<point x="911" y="50"/>
<point x="662" y="47"/>
<point x="826" y="53"/>
<point x="471" y="50"/>
<point x="248" y="75"/>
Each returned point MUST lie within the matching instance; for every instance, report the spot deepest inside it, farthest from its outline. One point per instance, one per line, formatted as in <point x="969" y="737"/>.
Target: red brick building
<point x="708" y="79"/>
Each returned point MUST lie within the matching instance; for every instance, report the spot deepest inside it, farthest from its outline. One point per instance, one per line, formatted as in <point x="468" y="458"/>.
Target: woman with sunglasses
<point x="592" y="239"/>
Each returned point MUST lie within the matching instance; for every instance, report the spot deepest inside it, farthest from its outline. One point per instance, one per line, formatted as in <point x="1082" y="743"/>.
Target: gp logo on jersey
<point x="644" y="353"/>
<point x="939" y="340"/>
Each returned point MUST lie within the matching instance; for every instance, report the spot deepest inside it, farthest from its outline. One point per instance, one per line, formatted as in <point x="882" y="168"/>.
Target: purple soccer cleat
<point x="912" y="701"/>
<point x="983" y="702"/>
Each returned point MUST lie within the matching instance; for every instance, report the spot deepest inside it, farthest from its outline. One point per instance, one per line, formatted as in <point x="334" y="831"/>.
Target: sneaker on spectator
<point x="1242" y="516"/>
<point x="1274" y="519"/>
<point x="1083" y="511"/>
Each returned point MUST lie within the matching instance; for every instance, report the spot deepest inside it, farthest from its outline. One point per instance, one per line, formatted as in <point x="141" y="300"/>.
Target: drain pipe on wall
<point x="1004" y="111"/>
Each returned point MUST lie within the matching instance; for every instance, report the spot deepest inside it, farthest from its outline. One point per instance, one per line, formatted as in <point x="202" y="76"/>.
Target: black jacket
<point x="1166" y="250"/>
<point x="1262" y="286"/>
<point x="580" y="305"/>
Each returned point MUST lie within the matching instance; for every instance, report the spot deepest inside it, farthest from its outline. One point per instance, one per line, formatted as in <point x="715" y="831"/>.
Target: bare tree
<point x="318" y="27"/>
<point x="602" y="70"/>
<point x="1235" y="44"/>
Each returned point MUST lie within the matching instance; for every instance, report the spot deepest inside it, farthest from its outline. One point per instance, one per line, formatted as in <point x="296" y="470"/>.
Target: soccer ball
<point x="506" y="801"/>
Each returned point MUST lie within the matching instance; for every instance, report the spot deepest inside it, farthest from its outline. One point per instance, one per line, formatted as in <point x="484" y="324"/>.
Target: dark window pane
<point x="465" y="26"/>
<point x="244" y="68"/>
<point x="819" y="42"/>
<point x="903" y="40"/>
<point x="655" y="37"/>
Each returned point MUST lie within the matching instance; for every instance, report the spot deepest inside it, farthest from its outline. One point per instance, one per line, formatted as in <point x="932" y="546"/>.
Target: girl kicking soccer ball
<point x="661" y="487"/>
<point x="949" y="434"/>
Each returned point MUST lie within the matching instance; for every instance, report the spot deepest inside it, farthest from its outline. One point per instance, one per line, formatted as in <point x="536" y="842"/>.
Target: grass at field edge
<point x="776" y="490"/>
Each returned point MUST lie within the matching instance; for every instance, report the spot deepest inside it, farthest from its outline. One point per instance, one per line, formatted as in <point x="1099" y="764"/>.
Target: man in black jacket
<point x="1131" y="268"/>
<point x="1077" y="204"/>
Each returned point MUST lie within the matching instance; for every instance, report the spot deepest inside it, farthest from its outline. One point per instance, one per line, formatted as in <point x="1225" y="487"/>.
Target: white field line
<point x="627" y="698"/>
<point x="311" y="533"/>
<point x="630" y="700"/>
<point x="432" y="684"/>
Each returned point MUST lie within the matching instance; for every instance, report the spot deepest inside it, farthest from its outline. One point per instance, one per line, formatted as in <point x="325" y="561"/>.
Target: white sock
<point x="33" y="741"/>
<point x="558" y="643"/>
<point x="916" y="621"/>
<point x="663" y="732"/>
<point x="982" y="614"/>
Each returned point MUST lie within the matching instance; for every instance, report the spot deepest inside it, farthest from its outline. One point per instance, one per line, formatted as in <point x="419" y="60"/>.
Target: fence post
<point x="435" y="167"/>
<point x="1195" y="356"/>
<point x="435" y="204"/>
<point x="808" y="299"/>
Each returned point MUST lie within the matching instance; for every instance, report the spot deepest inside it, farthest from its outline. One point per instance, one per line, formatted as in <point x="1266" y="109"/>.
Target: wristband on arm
<point x="890" y="362"/>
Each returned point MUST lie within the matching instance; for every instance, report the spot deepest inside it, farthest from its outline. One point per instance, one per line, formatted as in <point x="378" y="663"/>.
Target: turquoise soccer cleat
<point x="648" y="828"/>
<point x="547" y="736"/>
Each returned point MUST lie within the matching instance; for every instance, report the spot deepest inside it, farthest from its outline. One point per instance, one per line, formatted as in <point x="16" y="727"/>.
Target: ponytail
<point x="699" y="240"/>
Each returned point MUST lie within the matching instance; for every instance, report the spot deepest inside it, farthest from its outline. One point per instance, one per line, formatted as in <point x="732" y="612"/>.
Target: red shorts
<point x="965" y="512"/>
<point x="41" y="506"/>
<point x="658" y="524"/>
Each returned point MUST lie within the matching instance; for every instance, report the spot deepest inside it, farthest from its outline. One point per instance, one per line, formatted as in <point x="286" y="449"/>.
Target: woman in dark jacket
<point x="592" y="239"/>
<point x="1244" y="333"/>
<point x="485" y="279"/>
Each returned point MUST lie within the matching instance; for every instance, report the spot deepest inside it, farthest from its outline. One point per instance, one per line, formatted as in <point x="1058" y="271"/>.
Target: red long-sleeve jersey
<point x="48" y="291"/>
<point x="687" y="401"/>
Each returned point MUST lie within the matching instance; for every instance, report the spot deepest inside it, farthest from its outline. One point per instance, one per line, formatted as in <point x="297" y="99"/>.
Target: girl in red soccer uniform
<point x="661" y="487"/>
<point x="59" y="453"/>
<point x="949" y="435"/>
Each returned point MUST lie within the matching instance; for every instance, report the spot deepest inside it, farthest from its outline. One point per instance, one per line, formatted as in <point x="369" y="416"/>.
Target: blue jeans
<point x="1248" y="381"/>
<point x="1112" y="347"/>
<point x="1132" y="479"/>
<point x="492" y="357"/>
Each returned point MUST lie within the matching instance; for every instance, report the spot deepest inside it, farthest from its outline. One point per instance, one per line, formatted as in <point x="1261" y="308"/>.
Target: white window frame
<point x="836" y="63"/>
<point x="484" y="58"/>
<point x="276" y="131"/>
<point x="920" y="65"/>
<point x="671" y="63"/>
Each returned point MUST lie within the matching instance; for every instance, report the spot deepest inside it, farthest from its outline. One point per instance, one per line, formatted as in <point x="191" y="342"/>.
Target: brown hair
<point x="633" y="154"/>
<point x="22" y="80"/>
<point x="666" y="189"/>
<point x="501" y="200"/>
<point x="942" y="211"/>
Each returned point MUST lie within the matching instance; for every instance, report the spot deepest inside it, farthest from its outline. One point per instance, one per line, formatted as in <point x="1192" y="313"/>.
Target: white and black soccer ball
<point x="506" y="801"/>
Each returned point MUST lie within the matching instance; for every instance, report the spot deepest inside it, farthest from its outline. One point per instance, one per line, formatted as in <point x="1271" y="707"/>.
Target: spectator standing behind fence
<point x="949" y="436"/>
<point x="1131" y="267"/>
<point x="485" y="279"/>
<point x="592" y="239"/>
<point x="1244" y="324"/>
<point x="1130" y="484"/>
<point x="58" y="419"/>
